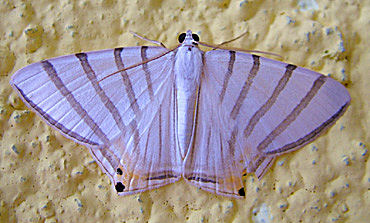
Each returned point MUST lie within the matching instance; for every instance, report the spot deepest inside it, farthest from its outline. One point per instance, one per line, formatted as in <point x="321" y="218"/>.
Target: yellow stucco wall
<point x="45" y="177"/>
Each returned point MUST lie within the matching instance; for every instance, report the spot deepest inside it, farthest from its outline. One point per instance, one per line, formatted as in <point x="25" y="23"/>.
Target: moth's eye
<point x="182" y="37"/>
<point x="195" y="37"/>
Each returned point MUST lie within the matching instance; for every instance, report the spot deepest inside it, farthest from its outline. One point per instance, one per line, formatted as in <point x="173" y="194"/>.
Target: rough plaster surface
<point x="45" y="177"/>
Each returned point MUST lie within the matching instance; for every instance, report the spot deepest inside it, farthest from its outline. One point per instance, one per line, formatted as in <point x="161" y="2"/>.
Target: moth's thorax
<point x="188" y="68"/>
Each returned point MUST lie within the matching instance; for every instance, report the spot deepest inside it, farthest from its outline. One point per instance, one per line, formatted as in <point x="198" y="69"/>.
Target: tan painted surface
<point x="46" y="178"/>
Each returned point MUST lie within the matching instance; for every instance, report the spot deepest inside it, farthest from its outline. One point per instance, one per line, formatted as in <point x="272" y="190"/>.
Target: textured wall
<point x="45" y="177"/>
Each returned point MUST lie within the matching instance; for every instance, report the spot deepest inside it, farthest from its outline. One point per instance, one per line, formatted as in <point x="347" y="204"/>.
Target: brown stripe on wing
<point x="50" y="70"/>
<point x="163" y="175"/>
<point x="294" y="114"/>
<point x="264" y="166"/>
<point x="247" y="84"/>
<point x="160" y="132"/>
<point x="126" y="81"/>
<point x="222" y="161"/>
<point x="231" y="150"/>
<point x="312" y="135"/>
<point x="148" y="160"/>
<point x="232" y="141"/>
<point x="202" y="179"/>
<point x="174" y="112"/>
<point x="149" y="82"/>
<point x="208" y="149"/>
<point x="262" y="111"/>
<point x="130" y="93"/>
<point x="228" y="74"/>
<point x="90" y="73"/>
<point x="256" y="161"/>
<point x="53" y="122"/>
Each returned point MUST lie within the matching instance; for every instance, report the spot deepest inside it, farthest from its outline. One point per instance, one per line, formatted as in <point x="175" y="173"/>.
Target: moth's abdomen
<point x="185" y="104"/>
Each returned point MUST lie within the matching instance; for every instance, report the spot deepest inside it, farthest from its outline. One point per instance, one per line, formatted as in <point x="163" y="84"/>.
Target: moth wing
<point x="148" y="158"/>
<point x="119" y="118"/>
<point x="252" y="109"/>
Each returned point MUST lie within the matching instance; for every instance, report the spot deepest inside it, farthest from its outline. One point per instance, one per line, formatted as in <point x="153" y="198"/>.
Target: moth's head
<point x="189" y="38"/>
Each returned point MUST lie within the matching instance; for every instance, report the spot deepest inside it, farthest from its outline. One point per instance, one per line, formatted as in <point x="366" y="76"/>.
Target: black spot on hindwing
<point x="241" y="192"/>
<point x="120" y="187"/>
<point x="119" y="171"/>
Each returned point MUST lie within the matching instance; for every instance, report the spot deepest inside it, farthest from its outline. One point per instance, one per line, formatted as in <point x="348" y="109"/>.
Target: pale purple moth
<point x="151" y="116"/>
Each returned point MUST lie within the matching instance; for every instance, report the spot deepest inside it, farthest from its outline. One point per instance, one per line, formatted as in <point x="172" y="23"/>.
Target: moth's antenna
<point x="215" y="47"/>
<point x="149" y="40"/>
<point x="219" y="46"/>
<point x="236" y="38"/>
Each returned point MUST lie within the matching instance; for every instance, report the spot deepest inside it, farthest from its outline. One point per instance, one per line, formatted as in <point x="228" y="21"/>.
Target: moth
<point x="151" y="116"/>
